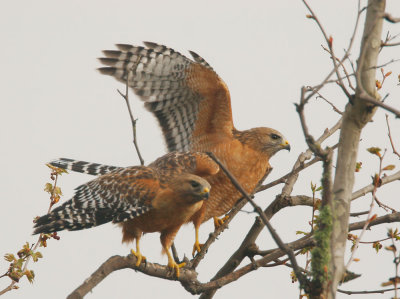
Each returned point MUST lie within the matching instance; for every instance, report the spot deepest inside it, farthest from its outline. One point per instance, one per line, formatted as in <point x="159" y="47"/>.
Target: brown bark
<point x="357" y="114"/>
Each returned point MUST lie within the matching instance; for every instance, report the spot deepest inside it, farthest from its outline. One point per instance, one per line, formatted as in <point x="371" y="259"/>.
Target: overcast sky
<point x="55" y="104"/>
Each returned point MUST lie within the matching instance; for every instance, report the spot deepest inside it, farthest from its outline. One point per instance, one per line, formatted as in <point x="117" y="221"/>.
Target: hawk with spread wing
<point x="155" y="198"/>
<point x="193" y="107"/>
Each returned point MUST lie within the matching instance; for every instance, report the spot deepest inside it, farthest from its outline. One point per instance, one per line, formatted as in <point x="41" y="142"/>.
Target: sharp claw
<point x="196" y="248"/>
<point x="218" y="222"/>
<point x="174" y="266"/>
<point x="140" y="258"/>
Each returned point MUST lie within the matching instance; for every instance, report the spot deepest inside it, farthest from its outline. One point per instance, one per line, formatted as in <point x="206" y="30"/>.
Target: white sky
<point x="54" y="104"/>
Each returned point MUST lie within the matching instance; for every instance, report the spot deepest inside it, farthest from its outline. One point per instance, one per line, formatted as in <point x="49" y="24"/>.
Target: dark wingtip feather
<point x="108" y="61"/>
<point x="112" y="53"/>
<point x="150" y="45"/>
<point x="194" y="55"/>
<point x="124" y="47"/>
<point x="107" y="70"/>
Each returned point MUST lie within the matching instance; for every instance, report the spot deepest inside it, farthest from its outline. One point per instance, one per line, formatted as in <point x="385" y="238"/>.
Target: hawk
<point x="141" y="199"/>
<point x="193" y="107"/>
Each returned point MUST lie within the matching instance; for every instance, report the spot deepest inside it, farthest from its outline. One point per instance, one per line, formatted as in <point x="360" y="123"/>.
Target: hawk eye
<point x="194" y="184"/>
<point x="275" y="137"/>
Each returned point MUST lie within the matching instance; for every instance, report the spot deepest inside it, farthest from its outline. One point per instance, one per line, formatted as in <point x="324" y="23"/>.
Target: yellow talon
<point x="172" y="264"/>
<point x="196" y="247"/>
<point x="176" y="267"/>
<point x="140" y="258"/>
<point x="218" y="222"/>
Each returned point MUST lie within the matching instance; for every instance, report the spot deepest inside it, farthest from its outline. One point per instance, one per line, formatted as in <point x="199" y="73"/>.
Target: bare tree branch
<point x="188" y="277"/>
<point x="364" y="292"/>
<point x="367" y="98"/>
<point x="367" y="189"/>
<point x="388" y="17"/>
<point x="133" y="120"/>
<point x="390" y="137"/>
<point x="356" y="115"/>
<point x="302" y="279"/>
<point x="280" y="202"/>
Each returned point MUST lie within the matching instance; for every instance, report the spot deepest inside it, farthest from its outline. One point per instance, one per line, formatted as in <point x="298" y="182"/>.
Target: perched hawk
<point x="155" y="198"/>
<point x="193" y="107"/>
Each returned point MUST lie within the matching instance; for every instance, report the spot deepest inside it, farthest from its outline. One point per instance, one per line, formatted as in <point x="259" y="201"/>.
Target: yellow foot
<point x="140" y="258"/>
<point x="196" y="248"/>
<point x="218" y="222"/>
<point x="176" y="267"/>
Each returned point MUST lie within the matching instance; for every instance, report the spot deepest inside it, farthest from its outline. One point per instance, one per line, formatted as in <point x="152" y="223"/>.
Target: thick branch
<point x="188" y="277"/>
<point x="356" y="116"/>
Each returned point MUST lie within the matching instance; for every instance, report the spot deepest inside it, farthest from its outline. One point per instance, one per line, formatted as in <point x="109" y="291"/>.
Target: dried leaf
<point x="57" y="170"/>
<point x="9" y="257"/>
<point x="57" y="191"/>
<point x="299" y="232"/>
<point x="48" y="188"/>
<point x="330" y="41"/>
<point x="30" y="275"/>
<point x="374" y="151"/>
<point x="391" y="248"/>
<point x="358" y="166"/>
<point x="373" y="217"/>
<point x="377" y="246"/>
<point x="389" y="167"/>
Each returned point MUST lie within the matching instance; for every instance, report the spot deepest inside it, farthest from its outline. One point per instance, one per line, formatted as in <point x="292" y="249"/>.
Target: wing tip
<point x="112" y="53"/>
<point x="150" y="45"/>
<point x="110" y="71"/>
<point x="124" y="47"/>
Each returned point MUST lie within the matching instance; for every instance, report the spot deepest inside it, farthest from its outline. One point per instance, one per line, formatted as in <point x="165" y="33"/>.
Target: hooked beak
<point x="205" y="193"/>
<point x="285" y="145"/>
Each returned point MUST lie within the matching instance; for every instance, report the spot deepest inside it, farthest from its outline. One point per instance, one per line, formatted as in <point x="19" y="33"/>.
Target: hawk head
<point x="192" y="188"/>
<point x="266" y="140"/>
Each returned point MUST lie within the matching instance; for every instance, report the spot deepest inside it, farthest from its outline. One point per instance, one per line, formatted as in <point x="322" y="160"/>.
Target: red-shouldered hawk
<point x="193" y="107"/>
<point x="155" y="198"/>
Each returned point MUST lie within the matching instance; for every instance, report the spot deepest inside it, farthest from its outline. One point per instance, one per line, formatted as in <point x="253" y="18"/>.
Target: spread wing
<point x="116" y="196"/>
<point x="187" y="97"/>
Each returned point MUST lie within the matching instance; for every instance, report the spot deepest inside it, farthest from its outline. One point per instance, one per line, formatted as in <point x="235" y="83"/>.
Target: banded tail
<point x="83" y="166"/>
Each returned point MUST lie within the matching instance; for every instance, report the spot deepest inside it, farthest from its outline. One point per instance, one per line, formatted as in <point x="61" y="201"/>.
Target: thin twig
<point x="359" y="214"/>
<point x="29" y="257"/>
<point x="376" y="185"/>
<point x="329" y="102"/>
<point x="312" y="144"/>
<point x="390" y="137"/>
<point x="133" y="120"/>
<point x="367" y="98"/>
<point x="364" y="292"/>
<point x="390" y="44"/>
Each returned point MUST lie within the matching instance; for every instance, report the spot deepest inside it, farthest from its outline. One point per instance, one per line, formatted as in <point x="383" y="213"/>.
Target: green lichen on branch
<point x="320" y="255"/>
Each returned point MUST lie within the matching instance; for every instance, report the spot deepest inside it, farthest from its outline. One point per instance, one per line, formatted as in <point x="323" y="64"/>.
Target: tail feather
<point x="83" y="166"/>
<point x="71" y="219"/>
<point x="80" y="212"/>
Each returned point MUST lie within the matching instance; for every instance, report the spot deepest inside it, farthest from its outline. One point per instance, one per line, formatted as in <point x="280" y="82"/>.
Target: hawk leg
<point x="138" y="254"/>
<point x="197" y="246"/>
<point x="172" y="264"/>
<point x="218" y="222"/>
